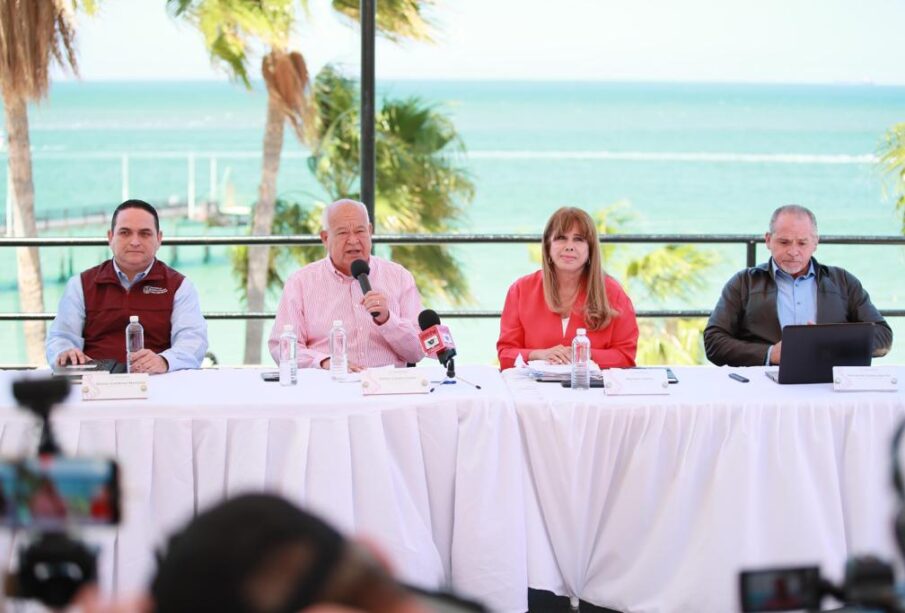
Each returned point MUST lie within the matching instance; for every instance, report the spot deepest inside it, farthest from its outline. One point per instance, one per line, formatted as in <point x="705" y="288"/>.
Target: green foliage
<point x="671" y="271"/>
<point x="230" y="26"/>
<point x="396" y="19"/>
<point x="673" y="341"/>
<point x="892" y="158"/>
<point x="659" y="274"/>
<point x="421" y="183"/>
<point x="290" y="219"/>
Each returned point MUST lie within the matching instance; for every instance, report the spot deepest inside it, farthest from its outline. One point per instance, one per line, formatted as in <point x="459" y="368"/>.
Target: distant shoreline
<point x="591" y="82"/>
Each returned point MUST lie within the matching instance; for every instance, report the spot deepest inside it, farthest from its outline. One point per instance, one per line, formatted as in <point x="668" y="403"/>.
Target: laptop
<point x="74" y="372"/>
<point x="810" y="352"/>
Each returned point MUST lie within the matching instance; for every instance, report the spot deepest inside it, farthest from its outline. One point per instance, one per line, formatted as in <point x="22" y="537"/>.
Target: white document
<point x="542" y="367"/>
<point x="635" y="382"/>
<point x="379" y="381"/>
<point x="864" y="379"/>
<point x="106" y="386"/>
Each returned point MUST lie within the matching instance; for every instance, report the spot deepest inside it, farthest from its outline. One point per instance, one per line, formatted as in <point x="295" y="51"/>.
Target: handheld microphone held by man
<point x="436" y="339"/>
<point x="360" y="271"/>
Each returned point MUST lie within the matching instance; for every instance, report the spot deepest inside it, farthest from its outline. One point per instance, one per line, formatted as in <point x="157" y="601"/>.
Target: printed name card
<point x="864" y="379"/>
<point x="106" y="386"/>
<point x="375" y="382"/>
<point x="635" y="382"/>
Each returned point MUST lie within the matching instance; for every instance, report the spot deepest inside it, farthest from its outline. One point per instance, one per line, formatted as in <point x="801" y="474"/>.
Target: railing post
<point x="752" y="254"/>
<point x="368" y="12"/>
<point x="212" y="197"/>
<point x="125" y="177"/>
<point x="191" y="194"/>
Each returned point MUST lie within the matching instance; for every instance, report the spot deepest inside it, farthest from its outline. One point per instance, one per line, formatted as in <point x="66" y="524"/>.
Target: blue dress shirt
<point x="796" y="298"/>
<point x="188" y="334"/>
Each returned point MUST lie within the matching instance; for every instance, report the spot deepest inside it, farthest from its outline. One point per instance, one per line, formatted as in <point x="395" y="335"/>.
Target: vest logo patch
<point x="147" y="289"/>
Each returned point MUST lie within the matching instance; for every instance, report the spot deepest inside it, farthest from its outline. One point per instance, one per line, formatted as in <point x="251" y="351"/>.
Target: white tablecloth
<point x="655" y="503"/>
<point x="435" y="480"/>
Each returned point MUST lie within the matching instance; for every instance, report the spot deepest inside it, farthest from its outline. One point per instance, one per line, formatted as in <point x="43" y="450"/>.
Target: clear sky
<point x="807" y="41"/>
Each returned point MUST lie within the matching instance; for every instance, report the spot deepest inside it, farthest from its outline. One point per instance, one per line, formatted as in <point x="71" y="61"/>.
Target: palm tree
<point x="32" y="34"/>
<point x="660" y="274"/>
<point x="893" y="159"/>
<point x="420" y="186"/>
<point x="670" y="272"/>
<point x="230" y="27"/>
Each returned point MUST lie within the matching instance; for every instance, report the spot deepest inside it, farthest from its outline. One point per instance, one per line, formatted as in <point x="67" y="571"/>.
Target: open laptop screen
<point x="810" y="352"/>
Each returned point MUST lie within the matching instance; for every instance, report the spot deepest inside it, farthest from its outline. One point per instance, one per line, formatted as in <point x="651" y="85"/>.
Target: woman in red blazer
<point x="544" y="309"/>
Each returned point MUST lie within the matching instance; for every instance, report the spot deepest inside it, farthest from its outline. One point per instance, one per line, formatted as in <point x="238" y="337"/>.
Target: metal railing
<point x="750" y="242"/>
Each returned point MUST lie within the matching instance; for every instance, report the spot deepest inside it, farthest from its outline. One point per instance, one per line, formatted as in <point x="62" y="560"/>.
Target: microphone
<point x="360" y="271"/>
<point x="436" y="340"/>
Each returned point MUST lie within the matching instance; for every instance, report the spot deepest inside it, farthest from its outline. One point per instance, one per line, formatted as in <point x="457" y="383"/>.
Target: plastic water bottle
<point x="581" y="359"/>
<point x="339" y="362"/>
<point x="135" y="340"/>
<point x="288" y="364"/>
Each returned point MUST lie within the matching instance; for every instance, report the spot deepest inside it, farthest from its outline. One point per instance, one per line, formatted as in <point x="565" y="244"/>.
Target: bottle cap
<point x="287" y="328"/>
<point x="337" y="322"/>
<point x="581" y="331"/>
<point x="133" y="319"/>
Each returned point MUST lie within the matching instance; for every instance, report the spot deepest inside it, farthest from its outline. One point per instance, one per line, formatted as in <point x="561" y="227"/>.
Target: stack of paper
<point x="544" y="371"/>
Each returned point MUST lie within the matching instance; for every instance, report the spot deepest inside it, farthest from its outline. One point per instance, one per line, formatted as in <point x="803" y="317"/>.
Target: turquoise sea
<point x="694" y="158"/>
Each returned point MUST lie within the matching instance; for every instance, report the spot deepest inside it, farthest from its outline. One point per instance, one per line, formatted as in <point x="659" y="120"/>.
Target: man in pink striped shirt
<point x="323" y="291"/>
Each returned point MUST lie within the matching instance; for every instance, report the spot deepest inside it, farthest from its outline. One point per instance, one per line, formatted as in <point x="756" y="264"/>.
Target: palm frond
<point x="396" y="19"/>
<point x="671" y="342"/>
<point x="421" y="183"/>
<point x="290" y="219"/>
<point x="32" y="34"/>
<point x="892" y="159"/>
<point x="671" y="271"/>
<point x="286" y="76"/>
<point x="436" y="269"/>
<point x="230" y="27"/>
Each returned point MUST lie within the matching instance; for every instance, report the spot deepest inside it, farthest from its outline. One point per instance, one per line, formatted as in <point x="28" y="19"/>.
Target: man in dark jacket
<point x="745" y="328"/>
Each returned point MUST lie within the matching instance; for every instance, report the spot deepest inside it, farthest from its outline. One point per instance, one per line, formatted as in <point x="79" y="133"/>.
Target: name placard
<point x="864" y="379"/>
<point x="106" y="386"/>
<point x="635" y="382"/>
<point x="375" y="382"/>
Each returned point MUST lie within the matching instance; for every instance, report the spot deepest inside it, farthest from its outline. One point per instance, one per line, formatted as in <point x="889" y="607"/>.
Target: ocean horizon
<point x="682" y="157"/>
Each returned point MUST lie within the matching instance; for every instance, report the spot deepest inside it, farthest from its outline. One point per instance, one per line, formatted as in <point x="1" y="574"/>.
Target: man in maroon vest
<point x="95" y="308"/>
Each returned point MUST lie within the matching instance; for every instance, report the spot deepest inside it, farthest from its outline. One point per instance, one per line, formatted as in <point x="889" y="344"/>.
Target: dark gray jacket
<point x="744" y="323"/>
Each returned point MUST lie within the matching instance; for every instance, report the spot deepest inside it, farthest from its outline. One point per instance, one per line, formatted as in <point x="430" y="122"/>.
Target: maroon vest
<point x="108" y="307"/>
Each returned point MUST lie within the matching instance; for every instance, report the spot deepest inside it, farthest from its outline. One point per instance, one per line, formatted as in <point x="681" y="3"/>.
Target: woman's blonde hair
<point x="597" y="311"/>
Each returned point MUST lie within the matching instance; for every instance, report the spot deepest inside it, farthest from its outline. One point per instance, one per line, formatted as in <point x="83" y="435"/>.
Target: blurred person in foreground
<point x="792" y="288"/>
<point x="258" y="553"/>
<point x="323" y="291"/>
<point x="95" y="308"/>
<point x="543" y="310"/>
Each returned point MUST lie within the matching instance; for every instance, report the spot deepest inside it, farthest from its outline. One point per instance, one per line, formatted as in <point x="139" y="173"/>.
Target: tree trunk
<point x="31" y="289"/>
<point x="262" y="224"/>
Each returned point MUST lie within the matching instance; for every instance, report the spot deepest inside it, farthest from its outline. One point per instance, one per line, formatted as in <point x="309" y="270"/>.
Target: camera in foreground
<point x="869" y="583"/>
<point x="50" y="496"/>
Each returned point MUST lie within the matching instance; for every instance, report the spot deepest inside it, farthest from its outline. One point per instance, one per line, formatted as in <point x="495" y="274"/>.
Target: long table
<point x="436" y="480"/>
<point x="654" y="503"/>
<point x="641" y="504"/>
